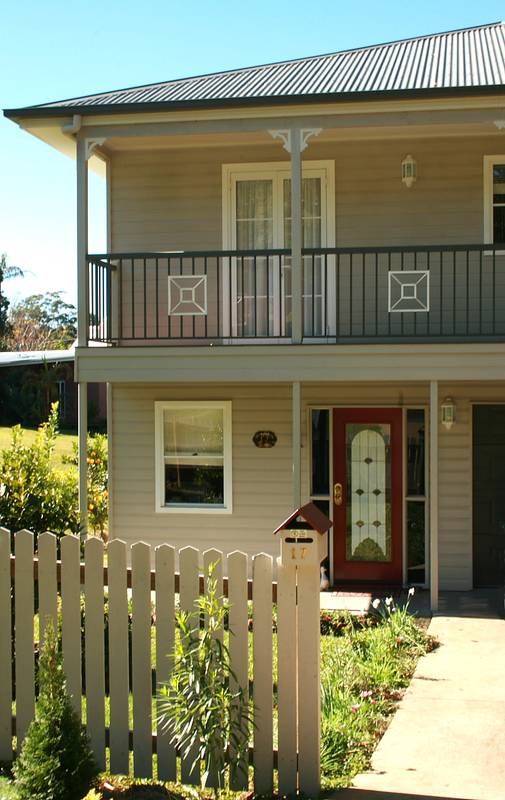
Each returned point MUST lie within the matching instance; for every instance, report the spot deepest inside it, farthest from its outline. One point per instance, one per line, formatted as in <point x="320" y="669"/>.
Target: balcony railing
<point x="402" y="294"/>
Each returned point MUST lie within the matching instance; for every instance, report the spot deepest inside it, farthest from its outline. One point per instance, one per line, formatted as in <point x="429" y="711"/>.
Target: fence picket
<point x="24" y="610"/>
<point x="165" y="639"/>
<point x="94" y="647"/>
<point x="308" y="657"/>
<point x="286" y="679"/>
<point x="5" y="647"/>
<point x="213" y="559"/>
<point x="238" y="644"/>
<point x="141" y="660"/>
<point x="48" y="589"/>
<point x="118" y="658"/>
<point x="189" y="592"/>
<point x="262" y="673"/>
<point x="71" y="617"/>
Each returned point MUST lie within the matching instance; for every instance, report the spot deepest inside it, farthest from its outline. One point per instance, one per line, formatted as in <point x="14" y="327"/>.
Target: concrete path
<point x="447" y="739"/>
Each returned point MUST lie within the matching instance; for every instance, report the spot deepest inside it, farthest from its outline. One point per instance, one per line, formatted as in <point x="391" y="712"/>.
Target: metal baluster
<point x="255" y="295"/>
<point x="132" y="297"/>
<point x="454" y="293"/>
<point x="376" y="293"/>
<point x="493" y="294"/>
<point x="467" y="317"/>
<point x="157" y="297"/>
<point x="480" y="292"/>
<point x="363" y="294"/>
<point x="193" y="316"/>
<point x="120" y="298"/>
<point x="145" y="299"/>
<point x="206" y="316"/>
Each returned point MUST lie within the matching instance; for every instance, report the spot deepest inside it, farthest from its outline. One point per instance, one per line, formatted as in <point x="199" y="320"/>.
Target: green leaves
<point x="55" y="762"/>
<point x="208" y="719"/>
<point x="33" y="494"/>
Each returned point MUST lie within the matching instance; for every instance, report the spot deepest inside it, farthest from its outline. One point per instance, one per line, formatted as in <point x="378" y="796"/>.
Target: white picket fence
<point x="60" y="584"/>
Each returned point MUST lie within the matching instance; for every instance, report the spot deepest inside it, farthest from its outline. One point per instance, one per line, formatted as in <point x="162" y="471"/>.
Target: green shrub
<point x="98" y="496"/>
<point x="55" y="762"/>
<point x="33" y="494"/>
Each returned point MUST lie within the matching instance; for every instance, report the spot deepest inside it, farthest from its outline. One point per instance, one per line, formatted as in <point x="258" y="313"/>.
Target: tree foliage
<point x="42" y="322"/>
<point x="6" y="271"/>
<point x="33" y="493"/>
<point x="56" y="762"/>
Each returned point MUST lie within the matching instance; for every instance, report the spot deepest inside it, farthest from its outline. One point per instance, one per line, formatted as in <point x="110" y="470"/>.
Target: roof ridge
<point x="266" y="65"/>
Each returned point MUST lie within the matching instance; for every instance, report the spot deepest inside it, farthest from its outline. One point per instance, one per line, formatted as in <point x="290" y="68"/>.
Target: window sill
<point x="173" y="509"/>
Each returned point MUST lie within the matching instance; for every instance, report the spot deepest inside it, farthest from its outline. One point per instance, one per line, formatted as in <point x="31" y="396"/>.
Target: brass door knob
<point x="337" y="494"/>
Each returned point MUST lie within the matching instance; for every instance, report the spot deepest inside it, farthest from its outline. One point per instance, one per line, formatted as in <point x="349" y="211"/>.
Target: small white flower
<point x="389" y="601"/>
<point x="376" y="603"/>
<point x="3" y="489"/>
<point x="411" y="591"/>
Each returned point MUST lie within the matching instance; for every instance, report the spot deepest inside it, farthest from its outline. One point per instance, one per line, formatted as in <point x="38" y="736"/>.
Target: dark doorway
<point x="489" y="495"/>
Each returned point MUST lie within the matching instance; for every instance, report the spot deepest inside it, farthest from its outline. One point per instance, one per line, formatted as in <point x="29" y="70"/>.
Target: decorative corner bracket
<point x="285" y="136"/>
<point x="91" y="145"/>
<point x="500" y="124"/>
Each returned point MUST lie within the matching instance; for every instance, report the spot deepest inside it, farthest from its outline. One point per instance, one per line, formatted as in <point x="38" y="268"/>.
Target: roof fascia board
<point x="402" y="119"/>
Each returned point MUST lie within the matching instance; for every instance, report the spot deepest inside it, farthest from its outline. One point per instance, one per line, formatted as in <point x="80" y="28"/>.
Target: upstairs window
<point x="193" y="456"/>
<point x="494" y="199"/>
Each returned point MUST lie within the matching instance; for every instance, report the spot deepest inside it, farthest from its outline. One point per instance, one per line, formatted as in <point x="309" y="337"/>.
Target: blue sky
<point x="58" y="49"/>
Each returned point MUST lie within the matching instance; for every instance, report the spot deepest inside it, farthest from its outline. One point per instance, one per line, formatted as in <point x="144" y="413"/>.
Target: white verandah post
<point x="296" y="442"/>
<point x="296" y="237"/>
<point x="82" y="322"/>
<point x="433" y="496"/>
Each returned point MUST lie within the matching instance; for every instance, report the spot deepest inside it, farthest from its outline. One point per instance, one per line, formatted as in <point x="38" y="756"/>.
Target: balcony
<point x="411" y="294"/>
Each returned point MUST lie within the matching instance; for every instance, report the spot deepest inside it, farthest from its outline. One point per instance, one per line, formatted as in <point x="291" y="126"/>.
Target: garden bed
<point x="366" y="664"/>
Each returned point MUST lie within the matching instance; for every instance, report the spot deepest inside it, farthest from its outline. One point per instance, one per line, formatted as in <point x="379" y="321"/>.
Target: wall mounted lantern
<point x="448" y="410"/>
<point x="409" y="171"/>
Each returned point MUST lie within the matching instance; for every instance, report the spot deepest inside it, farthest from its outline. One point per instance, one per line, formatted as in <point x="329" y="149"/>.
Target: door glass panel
<point x="415" y="452"/>
<point x="254" y="275"/>
<point x="312" y="264"/>
<point x="320" y="452"/>
<point x="499" y="203"/>
<point x="416" y="557"/>
<point x="368" y="457"/>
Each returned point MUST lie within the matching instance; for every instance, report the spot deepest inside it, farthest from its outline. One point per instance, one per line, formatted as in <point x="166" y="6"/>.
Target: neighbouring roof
<point x="467" y="60"/>
<point x="21" y="358"/>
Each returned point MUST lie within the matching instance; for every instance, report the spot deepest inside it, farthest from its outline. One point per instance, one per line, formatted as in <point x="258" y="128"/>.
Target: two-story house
<point x="303" y="297"/>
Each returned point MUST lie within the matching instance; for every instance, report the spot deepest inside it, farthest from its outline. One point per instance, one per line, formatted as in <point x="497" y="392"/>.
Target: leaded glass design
<point x="368" y="492"/>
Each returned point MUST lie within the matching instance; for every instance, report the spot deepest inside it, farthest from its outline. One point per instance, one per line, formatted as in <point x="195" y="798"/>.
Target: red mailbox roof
<point x="311" y="514"/>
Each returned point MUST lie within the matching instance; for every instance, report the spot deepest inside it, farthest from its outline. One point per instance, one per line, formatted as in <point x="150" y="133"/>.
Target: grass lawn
<point x="63" y="447"/>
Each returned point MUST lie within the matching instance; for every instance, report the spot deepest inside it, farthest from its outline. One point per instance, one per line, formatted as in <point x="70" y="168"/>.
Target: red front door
<point x="367" y="494"/>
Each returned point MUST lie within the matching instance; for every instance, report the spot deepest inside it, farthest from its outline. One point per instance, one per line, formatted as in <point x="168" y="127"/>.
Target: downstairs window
<point x="193" y="456"/>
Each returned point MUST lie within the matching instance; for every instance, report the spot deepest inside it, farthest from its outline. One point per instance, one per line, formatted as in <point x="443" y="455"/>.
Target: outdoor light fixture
<point x="409" y="171"/>
<point x="448" y="413"/>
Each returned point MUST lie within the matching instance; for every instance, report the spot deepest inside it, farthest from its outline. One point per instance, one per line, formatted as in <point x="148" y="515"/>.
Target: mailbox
<point x="303" y="536"/>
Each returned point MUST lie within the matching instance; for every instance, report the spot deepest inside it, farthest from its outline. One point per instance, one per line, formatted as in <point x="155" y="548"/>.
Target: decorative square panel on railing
<point x="187" y="295"/>
<point x="409" y="290"/>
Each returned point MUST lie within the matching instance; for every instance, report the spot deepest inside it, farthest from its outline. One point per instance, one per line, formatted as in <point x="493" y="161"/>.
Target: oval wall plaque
<point x="264" y="439"/>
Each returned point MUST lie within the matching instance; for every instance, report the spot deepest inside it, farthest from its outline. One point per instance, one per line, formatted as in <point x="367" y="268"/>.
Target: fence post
<point x="5" y="647"/>
<point x="303" y="547"/>
<point x="262" y="673"/>
<point x="287" y="677"/>
<point x="24" y="610"/>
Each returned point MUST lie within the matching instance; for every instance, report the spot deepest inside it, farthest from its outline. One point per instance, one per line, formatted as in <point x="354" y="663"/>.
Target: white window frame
<point x="160" y="506"/>
<point x="275" y="171"/>
<point x="489" y="162"/>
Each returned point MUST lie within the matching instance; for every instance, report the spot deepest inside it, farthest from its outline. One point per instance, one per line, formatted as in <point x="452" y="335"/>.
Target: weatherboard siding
<point x="262" y="488"/>
<point x="171" y="199"/>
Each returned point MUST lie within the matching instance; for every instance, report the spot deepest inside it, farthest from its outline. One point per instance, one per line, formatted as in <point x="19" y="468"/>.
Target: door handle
<point x="337" y="494"/>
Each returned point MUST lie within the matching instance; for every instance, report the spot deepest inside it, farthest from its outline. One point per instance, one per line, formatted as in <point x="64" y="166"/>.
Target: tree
<point x="56" y="762"/>
<point x="42" y="322"/>
<point x="6" y="271"/>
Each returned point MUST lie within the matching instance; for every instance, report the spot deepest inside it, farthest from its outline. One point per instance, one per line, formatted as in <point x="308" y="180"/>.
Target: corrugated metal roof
<point x="467" y="59"/>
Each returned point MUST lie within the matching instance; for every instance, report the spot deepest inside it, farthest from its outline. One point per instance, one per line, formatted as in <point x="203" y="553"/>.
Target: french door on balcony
<point x="258" y="217"/>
